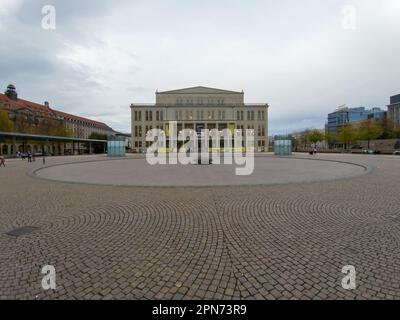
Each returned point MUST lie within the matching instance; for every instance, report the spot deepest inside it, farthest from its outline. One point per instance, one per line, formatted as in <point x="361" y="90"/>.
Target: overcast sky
<point x="301" y="57"/>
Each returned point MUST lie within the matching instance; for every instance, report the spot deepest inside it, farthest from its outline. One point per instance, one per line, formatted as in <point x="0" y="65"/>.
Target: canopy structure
<point x="13" y="142"/>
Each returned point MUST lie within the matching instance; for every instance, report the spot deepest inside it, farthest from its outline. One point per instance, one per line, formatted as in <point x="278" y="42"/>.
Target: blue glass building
<point x="394" y="110"/>
<point x="344" y="115"/>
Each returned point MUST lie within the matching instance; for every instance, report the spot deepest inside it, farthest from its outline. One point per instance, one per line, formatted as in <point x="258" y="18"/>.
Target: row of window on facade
<point x="80" y="122"/>
<point x="189" y="115"/>
<point x="138" y="130"/>
<point x="159" y="115"/>
<point x="200" y="101"/>
<point x="140" y="144"/>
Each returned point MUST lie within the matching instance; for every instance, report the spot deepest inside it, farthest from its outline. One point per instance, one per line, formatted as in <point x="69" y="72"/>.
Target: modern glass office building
<point x="394" y="110"/>
<point x="343" y="115"/>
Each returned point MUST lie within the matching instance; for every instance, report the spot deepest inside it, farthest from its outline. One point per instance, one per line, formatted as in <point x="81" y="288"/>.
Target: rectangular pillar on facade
<point x="14" y="141"/>
<point x="62" y="148"/>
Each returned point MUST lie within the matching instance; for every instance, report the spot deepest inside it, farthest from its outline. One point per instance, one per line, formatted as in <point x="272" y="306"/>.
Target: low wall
<point x="384" y="146"/>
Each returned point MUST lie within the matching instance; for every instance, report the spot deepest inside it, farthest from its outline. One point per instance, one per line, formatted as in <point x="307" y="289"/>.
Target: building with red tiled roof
<point x="31" y="117"/>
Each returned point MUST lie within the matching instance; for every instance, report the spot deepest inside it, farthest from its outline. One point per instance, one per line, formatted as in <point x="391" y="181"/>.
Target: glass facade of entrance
<point x="116" y="148"/>
<point x="283" y="147"/>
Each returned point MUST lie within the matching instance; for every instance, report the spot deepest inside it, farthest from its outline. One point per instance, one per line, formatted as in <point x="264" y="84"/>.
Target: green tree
<point x="316" y="136"/>
<point x="396" y="133"/>
<point x="295" y="143"/>
<point x="330" y="138"/>
<point x="388" y="129"/>
<point x="305" y="138"/>
<point x="347" y="135"/>
<point x="6" y="124"/>
<point x="369" y="130"/>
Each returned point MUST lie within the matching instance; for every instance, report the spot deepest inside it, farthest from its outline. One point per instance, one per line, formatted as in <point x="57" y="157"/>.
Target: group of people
<point x="31" y="157"/>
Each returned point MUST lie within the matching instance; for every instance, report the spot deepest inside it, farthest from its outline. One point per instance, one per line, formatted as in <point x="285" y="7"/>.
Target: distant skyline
<point x="298" y="56"/>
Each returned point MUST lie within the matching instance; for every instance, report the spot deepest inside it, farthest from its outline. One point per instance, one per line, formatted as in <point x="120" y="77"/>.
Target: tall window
<point x="261" y="115"/>
<point x="149" y="115"/>
<point x="159" y="115"/>
<point x="200" y="114"/>
<point x="138" y="115"/>
<point x="178" y="114"/>
<point x="240" y="115"/>
<point x="138" y="131"/>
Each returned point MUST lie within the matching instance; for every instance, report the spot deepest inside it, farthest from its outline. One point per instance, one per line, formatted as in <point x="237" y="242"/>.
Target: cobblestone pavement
<point x="261" y="242"/>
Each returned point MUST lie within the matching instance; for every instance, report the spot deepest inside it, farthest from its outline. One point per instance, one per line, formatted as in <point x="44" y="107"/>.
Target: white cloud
<point x="294" y="55"/>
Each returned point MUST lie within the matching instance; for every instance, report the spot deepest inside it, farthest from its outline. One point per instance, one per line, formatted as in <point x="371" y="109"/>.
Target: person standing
<point x="2" y="161"/>
<point x="44" y="159"/>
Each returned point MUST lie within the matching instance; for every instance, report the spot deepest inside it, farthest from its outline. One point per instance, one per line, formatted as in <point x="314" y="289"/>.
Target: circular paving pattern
<point x="268" y="170"/>
<point x="287" y="241"/>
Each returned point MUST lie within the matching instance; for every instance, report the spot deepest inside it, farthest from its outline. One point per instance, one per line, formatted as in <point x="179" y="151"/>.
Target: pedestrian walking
<point x="2" y="161"/>
<point x="44" y="159"/>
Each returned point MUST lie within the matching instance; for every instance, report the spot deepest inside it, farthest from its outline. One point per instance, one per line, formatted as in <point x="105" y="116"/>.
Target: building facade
<point x="199" y="108"/>
<point x="82" y="127"/>
<point x="30" y="117"/>
<point x="344" y="115"/>
<point x="394" y="110"/>
<point x="34" y="118"/>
